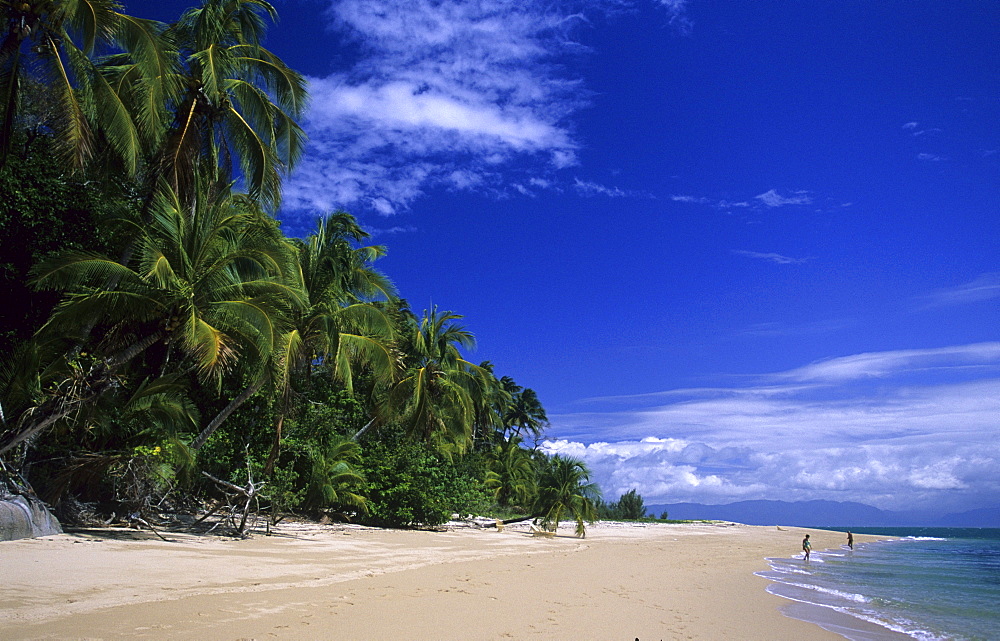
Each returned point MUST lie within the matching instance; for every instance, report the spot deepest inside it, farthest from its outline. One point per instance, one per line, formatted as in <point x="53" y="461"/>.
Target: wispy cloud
<point x="717" y="203"/>
<point x="916" y="130"/>
<point x="982" y="288"/>
<point x="882" y="364"/>
<point x="892" y="444"/>
<point x="446" y="94"/>
<point x="929" y="157"/>
<point x="772" y="198"/>
<point x="589" y="188"/>
<point x="771" y="257"/>
<point x="776" y="328"/>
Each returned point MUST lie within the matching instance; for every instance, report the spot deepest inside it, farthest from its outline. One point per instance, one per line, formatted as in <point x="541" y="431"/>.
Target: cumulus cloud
<point x="935" y="445"/>
<point x="443" y="94"/>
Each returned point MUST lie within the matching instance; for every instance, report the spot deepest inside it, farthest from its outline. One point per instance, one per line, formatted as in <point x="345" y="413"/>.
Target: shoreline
<point x="624" y="581"/>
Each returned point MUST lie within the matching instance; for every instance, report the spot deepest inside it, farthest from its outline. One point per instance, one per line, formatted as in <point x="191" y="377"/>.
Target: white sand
<point x="653" y="581"/>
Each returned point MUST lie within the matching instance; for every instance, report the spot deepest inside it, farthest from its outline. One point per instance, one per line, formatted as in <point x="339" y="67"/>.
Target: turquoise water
<point x="932" y="584"/>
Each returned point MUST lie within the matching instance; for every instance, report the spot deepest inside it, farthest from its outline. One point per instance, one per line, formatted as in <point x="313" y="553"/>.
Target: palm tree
<point x="564" y="488"/>
<point x="436" y="398"/>
<point x="491" y="403"/>
<point x="231" y="98"/>
<point x="333" y="480"/>
<point x="511" y="474"/>
<point x="57" y="39"/>
<point x="524" y="413"/>
<point x="211" y="284"/>
<point x="337" y="326"/>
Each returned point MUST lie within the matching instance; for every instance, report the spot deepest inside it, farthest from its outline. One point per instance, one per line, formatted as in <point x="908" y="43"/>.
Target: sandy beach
<point x="656" y="581"/>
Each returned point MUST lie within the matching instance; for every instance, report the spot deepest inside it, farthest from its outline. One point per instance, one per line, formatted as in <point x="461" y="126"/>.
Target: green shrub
<point x="410" y="484"/>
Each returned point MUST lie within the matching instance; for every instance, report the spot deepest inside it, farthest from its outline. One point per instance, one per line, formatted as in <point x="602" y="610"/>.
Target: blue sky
<point x="741" y="250"/>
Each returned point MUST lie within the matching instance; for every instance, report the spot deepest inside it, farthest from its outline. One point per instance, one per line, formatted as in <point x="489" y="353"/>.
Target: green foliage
<point x="511" y="475"/>
<point x="410" y="483"/>
<point x="323" y="458"/>
<point x="171" y="319"/>
<point x="564" y="489"/>
<point x="629" y="507"/>
<point x="43" y="209"/>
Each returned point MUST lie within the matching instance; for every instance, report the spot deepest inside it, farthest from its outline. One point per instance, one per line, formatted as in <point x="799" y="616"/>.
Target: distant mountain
<point x="824" y="513"/>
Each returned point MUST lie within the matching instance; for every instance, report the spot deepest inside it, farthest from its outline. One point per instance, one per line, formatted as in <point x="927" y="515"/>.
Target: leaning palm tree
<point x="564" y="489"/>
<point x="210" y="284"/>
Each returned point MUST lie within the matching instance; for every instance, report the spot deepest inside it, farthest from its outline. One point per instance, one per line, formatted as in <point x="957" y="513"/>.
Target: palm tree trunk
<point x="250" y="390"/>
<point x="272" y="456"/>
<point x="521" y="519"/>
<point x="96" y="384"/>
<point x="358" y="434"/>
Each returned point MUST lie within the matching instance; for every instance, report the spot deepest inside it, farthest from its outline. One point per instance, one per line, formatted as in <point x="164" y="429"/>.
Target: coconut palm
<point x="231" y="98"/>
<point x="524" y="413"/>
<point x="211" y="284"/>
<point x="337" y="327"/>
<point x="564" y="489"/>
<point x="55" y="41"/>
<point x="491" y="403"/>
<point x="511" y="474"/>
<point x="333" y="479"/>
<point x="436" y="398"/>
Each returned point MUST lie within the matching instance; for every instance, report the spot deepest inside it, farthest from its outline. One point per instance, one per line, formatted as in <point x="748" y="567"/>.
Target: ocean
<point x="932" y="584"/>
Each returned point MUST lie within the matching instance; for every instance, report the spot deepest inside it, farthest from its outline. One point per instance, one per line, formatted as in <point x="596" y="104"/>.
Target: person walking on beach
<point x="850" y="540"/>
<point x="806" y="547"/>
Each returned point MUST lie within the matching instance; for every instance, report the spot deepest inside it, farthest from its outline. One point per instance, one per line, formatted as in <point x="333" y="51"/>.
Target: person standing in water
<point x="850" y="540"/>
<point x="806" y="547"/>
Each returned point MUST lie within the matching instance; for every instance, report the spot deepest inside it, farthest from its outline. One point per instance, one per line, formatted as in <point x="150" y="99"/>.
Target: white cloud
<point x="804" y="329"/>
<point x="716" y="203"/>
<point x="691" y="199"/>
<point x="882" y="364"/>
<point x="771" y="257"/>
<point x="898" y="444"/>
<point x="444" y="93"/>
<point x="772" y="198"/>
<point x="589" y="188"/>
<point x="983" y="287"/>
<point x="929" y="157"/>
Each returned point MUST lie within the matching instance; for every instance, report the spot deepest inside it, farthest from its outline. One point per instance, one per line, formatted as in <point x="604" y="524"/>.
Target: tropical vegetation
<point x="166" y="345"/>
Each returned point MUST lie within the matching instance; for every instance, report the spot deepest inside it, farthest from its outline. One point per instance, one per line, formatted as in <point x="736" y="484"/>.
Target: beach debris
<point x="240" y="503"/>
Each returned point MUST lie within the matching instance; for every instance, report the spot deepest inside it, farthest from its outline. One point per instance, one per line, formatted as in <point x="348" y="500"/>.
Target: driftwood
<point x="135" y="517"/>
<point x="237" y="505"/>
